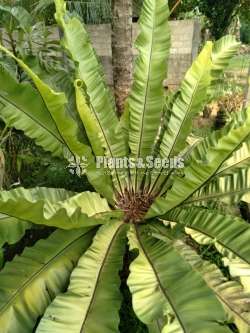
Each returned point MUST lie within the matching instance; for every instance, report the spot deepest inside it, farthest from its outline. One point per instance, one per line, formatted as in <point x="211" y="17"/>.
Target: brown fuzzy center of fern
<point x="134" y="205"/>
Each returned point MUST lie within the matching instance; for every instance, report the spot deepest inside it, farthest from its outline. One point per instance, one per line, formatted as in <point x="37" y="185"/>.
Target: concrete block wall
<point x="185" y="41"/>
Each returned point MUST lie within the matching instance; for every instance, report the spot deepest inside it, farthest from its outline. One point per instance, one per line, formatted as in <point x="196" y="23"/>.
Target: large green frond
<point x="226" y="188"/>
<point x="232" y="233"/>
<point x="203" y="74"/>
<point x="146" y="99"/>
<point x="234" y="294"/>
<point x="95" y="138"/>
<point x="238" y="268"/>
<point x="200" y="172"/>
<point x="189" y="102"/>
<point x="230" y="293"/>
<point x="55" y="103"/>
<point x="164" y="286"/>
<point x="57" y="208"/>
<point x="77" y="43"/>
<point x="92" y="302"/>
<point x="22" y="107"/>
<point x="68" y="129"/>
<point x="31" y="281"/>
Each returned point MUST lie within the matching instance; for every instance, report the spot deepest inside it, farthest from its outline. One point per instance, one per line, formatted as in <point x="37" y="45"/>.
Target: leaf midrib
<point x="32" y="118"/>
<point x="232" y="166"/>
<point x="218" y="294"/>
<point x="217" y="195"/>
<point x="164" y="292"/>
<point x="99" y="277"/>
<point x="40" y="271"/>
<point x="187" y="113"/>
<point x="208" y="179"/>
<point x="146" y="90"/>
<point x="106" y="140"/>
<point x="232" y="308"/>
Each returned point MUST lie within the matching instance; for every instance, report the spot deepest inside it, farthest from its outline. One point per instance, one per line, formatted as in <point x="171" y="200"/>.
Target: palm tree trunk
<point x="122" y="49"/>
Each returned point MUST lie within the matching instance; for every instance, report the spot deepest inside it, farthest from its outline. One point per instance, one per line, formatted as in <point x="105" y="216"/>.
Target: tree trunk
<point x="122" y="49"/>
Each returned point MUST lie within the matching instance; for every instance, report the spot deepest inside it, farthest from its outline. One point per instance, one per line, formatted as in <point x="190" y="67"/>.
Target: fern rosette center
<point x="135" y="205"/>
